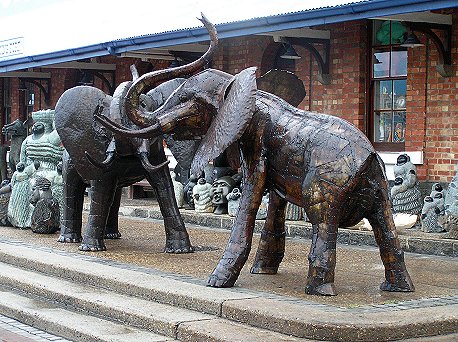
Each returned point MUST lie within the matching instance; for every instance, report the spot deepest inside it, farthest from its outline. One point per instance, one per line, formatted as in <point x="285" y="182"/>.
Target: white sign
<point x="11" y="47"/>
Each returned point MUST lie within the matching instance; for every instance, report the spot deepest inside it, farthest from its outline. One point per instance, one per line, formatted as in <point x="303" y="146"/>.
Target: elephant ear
<point x="232" y="119"/>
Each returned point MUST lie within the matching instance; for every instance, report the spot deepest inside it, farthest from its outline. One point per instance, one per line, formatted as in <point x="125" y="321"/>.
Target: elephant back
<point x="79" y="132"/>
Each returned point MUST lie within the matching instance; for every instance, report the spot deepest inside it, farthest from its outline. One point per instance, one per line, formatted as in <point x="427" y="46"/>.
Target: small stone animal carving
<point x="178" y="190"/>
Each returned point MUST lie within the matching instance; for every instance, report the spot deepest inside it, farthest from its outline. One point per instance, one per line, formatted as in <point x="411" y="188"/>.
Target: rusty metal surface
<point x="284" y="84"/>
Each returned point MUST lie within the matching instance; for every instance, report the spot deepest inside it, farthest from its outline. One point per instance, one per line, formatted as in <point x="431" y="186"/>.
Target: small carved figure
<point x="405" y="193"/>
<point x="5" y="194"/>
<point x="201" y="196"/>
<point x="18" y="131"/>
<point x="57" y="188"/>
<point x="45" y="215"/>
<point x="19" y="208"/>
<point x="233" y="201"/>
<point x="261" y="214"/>
<point x="188" y="198"/>
<point x="433" y="209"/>
<point x="450" y="224"/>
<point x="219" y="190"/>
<point x="178" y="189"/>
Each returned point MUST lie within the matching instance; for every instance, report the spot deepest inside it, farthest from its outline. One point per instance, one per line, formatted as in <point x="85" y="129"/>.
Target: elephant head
<point x="212" y="106"/>
<point x="143" y="95"/>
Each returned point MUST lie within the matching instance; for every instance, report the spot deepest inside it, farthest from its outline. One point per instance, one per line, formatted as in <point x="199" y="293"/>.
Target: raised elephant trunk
<point x="149" y="80"/>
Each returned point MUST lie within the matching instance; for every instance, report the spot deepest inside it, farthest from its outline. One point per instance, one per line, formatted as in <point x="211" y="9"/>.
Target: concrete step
<point x="132" y="312"/>
<point x="70" y="324"/>
<point x="184" y="308"/>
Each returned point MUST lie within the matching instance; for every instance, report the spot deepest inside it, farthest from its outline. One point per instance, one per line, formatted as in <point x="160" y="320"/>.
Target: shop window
<point x="388" y="85"/>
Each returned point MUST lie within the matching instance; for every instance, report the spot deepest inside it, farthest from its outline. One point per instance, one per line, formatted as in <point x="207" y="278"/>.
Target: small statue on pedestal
<point x="201" y="196"/>
<point x="192" y="181"/>
<point x="45" y="216"/>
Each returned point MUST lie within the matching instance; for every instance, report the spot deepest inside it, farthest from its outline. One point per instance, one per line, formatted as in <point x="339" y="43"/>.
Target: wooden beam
<point x="83" y="65"/>
<point x="26" y="74"/>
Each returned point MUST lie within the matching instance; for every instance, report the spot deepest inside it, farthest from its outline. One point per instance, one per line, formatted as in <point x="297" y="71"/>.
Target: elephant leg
<point x="74" y="187"/>
<point x="112" y="229"/>
<point x="102" y="195"/>
<point x="176" y="236"/>
<point x="396" y="276"/>
<point x="322" y="260"/>
<point x="239" y="245"/>
<point x="271" y="247"/>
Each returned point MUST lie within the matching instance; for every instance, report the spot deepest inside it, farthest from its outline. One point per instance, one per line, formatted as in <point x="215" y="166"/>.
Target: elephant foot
<point x="400" y="282"/>
<point x="113" y="236"/>
<point x="92" y="245"/>
<point x="178" y="244"/>
<point x="327" y="289"/>
<point x="227" y="271"/>
<point x="263" y="266"/>
<point x="69" y="238"/>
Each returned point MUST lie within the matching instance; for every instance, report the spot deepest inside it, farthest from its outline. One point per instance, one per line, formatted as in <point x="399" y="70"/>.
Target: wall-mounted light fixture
<point x="443" y="45"/>
<point x="412" y="41"/>
<point x="289" y="53"/>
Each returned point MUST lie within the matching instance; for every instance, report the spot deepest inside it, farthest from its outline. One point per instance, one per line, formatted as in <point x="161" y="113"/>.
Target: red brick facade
<point x="432" y="100"/>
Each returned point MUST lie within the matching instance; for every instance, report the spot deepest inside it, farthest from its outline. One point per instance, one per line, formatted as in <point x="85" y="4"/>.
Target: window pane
<point x="398" y="62"/>
<point x="399" y="121"/>
<point x="381" y="63"/>
<point x="382" y="127"/>
<point x="399" y="97"/>
<point x="383" y="94"/>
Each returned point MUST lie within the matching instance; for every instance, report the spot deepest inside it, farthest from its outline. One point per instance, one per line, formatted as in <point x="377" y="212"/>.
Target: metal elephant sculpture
<point x="317" y="161"/>
<point x="108" y="162"/>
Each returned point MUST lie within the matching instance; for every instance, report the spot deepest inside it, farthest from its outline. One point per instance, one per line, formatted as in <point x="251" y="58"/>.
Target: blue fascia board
<point x="315" y="17"/>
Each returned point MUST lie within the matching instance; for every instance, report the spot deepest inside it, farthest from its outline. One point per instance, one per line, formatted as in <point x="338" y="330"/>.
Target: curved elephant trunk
<point x="149" y="80"/>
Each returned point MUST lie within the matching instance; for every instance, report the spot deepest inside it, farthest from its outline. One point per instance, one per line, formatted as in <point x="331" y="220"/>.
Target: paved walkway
<point x="12" y="330"/>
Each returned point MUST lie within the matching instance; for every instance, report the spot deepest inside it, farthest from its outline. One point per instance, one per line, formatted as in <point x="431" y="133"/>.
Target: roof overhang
<point x="190" y="37"/>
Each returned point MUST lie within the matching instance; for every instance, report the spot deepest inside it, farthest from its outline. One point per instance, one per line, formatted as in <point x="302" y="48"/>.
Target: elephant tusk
<point x="148" y="132"/>
<point x="147" y="165"/>
<point x="105" y="164"/>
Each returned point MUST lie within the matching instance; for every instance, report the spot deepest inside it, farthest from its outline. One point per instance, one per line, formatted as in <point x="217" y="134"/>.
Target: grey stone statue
<point x="261" y="214"/>
<point x="5" y="194"/>
<point x="233" y="201"/>
<point x="293" y="212"/>
<point x="57" y="187"/>
<point x="405" y="194"/>
<point x="44" y="144"/>
<point x="433" y="211"/>
<point x="177" y="189"/>
<point x="201" y="196"/>
<point x="190" y="184"/>
<point x="19" y="210"/>
<point x="219" y="191"/>
<point x="45" y="215"/>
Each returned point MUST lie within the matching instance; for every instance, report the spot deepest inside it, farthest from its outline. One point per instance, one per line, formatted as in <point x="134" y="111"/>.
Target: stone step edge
<point x="69" y="324"/>
<point x="412" y="244"/>
<point x="134" y="313"/>
<point x="328" y="321"/>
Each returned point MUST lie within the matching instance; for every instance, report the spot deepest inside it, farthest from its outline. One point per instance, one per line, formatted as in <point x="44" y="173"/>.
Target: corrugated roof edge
<point x="314" y="17"/>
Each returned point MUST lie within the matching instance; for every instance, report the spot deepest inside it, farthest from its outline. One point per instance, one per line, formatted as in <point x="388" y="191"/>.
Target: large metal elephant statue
<point x="317" y="161"/>
<point x="108" y="162"/>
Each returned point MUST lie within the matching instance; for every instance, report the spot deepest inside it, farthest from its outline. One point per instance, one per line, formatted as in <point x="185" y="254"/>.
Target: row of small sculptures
<point x="33" y="198"/>
<point x="219" y="192"/>
<point x="438" y="211"/>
